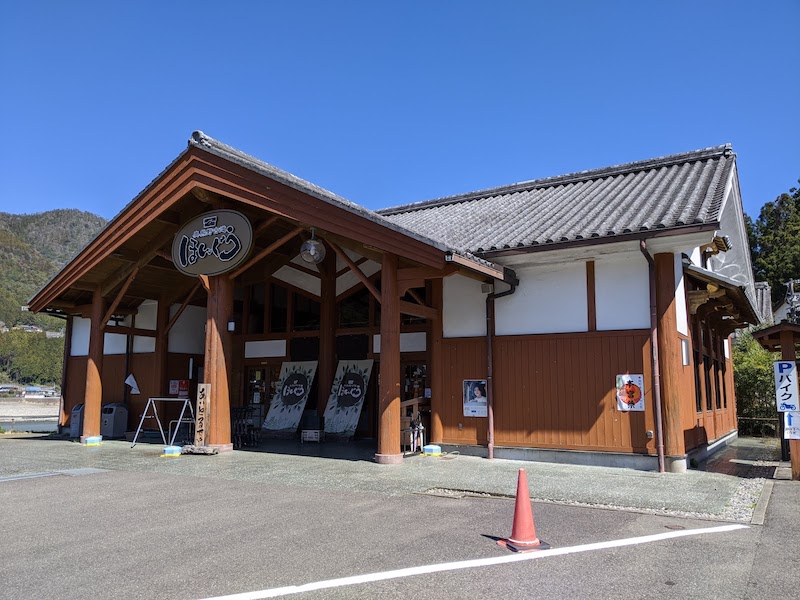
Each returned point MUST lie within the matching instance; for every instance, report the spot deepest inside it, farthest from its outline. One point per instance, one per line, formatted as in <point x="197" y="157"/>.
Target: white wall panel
<point x="265" y="349"/>
<point x="409" y="342"/>
<point x="188" y="335"/>
<point x="114" y="343"/>
<point x="146" y="318"/>
<point x="622" y="292"/>
<point x="299" y="279"/>
<point x="464" y="312"/>
<point x="80" y="336"/>
<point x="549" y="299"/>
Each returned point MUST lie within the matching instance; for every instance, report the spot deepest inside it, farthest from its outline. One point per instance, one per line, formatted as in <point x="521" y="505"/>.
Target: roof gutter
<point x="656" y="365"/>
<point x="489" y="343"/>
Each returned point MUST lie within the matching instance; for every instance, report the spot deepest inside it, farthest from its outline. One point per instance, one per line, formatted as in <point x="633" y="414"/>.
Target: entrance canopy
<point x="130" y="260"/>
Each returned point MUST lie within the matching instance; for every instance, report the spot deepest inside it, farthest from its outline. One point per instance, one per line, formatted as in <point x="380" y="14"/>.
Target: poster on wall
<point x="630" y="392"/>
<point x="475" y="402"/>
<point x="291" y="395"/>
<point x="347" y="397"/>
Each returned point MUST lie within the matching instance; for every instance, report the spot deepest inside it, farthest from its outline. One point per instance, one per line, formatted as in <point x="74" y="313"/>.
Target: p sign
<point x="791" y="426"/>
<point x="786" y="397"/>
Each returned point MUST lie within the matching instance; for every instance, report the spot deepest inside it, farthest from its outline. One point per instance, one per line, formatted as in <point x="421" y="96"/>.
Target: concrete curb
<point x="760" y="511"/>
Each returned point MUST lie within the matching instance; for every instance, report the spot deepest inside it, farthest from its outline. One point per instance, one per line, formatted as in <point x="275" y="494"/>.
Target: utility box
<point x="114" y="420"/>
<point x="76" y="421"/>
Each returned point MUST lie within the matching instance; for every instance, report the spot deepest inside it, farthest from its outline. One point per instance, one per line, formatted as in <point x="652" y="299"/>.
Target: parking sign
<point x="787" y="398"/>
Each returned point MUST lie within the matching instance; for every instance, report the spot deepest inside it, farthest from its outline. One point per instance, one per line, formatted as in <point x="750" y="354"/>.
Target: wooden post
<point x="217" y="363"/>
<point x="669" y="354"/>
<point x="389" y="395"/>
<point x="435" y="366"/>
<point x="327" y="331"/>
<point x="788" y="353"/>
<point x="162" y="347"/>
<point x="93" y="398"/>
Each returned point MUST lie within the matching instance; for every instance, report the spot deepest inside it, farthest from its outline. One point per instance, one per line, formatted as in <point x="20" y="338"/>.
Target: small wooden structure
<point x="784" y="338"/>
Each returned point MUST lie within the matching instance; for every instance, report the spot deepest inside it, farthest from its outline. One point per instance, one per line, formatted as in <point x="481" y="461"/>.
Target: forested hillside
<point x="32" y="249"/>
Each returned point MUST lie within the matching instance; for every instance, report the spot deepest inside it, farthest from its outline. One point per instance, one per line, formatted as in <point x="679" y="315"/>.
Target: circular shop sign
<point x="212" y="243"/>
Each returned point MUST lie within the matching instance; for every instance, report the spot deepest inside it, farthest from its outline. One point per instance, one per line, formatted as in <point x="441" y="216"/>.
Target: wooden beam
<point x="164" y="255"/>
<point x="273" y="246"/>
<point x="389" y="399"/>
<point x="415" y="310"/>
<point x="178" y="314"/>
<point x="356" y="271"/>
<point x="591" y="301"/>
<point x="164" y="237"/>
<point x="415" y="296"/>
<point x="345" y="269"/>
<point x="122" y="330"/>
<point x="120" y="295"/>
<point x="264" y="226"/>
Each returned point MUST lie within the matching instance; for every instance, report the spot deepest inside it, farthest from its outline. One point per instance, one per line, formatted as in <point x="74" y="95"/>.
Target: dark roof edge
<point x="663" y="161"/>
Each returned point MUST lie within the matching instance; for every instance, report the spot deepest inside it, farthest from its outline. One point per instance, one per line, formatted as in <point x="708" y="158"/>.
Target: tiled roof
<point x="661" y="193"/>
<point x="209" y="144"/>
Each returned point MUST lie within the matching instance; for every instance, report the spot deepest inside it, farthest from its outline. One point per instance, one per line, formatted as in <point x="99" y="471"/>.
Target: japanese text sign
<point x="786" y="395"/>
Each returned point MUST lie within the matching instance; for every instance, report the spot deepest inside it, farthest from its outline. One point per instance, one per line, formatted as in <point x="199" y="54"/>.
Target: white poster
<point x="291" y="395"/>
<point x="630" y="392"/>
<point x="475" y="399"/>
<point x="347" y="396"/>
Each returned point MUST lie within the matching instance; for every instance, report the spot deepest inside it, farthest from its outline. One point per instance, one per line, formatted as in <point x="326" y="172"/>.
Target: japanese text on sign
<point x="203" y="393"/>
<point x="786" y="395"/>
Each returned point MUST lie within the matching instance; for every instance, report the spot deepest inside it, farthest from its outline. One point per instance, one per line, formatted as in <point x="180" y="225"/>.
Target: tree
<point x="755" y="385"/>
<point x="775" y="242"/>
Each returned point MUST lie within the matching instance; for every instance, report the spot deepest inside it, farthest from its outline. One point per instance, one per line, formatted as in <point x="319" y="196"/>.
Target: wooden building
<point x="549" y="293"/>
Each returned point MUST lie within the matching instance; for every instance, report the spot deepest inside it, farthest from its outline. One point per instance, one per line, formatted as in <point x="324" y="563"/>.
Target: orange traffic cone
<point x="523" y="533"/>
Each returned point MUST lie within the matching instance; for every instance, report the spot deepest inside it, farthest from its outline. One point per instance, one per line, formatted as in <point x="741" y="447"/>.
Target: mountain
<point x="33" y="248"/>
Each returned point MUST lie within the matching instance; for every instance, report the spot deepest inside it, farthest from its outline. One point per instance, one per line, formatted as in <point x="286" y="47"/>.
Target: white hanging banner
<point x="347" y="396"/>
<point x="291" y="395"/>
<point x="630" y="392"/>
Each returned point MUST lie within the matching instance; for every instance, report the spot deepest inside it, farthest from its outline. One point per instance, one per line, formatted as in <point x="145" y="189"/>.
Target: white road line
<point x="469" y="564"/>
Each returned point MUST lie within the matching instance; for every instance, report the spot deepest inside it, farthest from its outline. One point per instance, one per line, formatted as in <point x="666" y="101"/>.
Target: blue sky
<point x="390" y="102"/>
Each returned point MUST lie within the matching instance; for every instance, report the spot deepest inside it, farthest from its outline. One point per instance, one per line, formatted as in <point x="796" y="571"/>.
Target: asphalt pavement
<point x="121" y="522"/>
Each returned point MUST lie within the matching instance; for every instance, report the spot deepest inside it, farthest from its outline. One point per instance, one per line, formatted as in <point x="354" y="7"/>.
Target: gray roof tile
<point x="661" y="193"/>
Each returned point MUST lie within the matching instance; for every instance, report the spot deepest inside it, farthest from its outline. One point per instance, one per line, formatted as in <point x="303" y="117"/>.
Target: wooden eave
<point x="153" y="210"/>
<point x="770" y="338"/>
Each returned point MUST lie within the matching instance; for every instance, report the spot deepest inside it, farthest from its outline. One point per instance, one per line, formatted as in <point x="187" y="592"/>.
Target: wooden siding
<point x="551" y="391"/>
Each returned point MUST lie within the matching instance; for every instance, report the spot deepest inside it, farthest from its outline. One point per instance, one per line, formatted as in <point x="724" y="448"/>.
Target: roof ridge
<point x="578" y="176"/>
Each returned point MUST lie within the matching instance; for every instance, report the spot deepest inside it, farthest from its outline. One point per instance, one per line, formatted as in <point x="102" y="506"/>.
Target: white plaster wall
<point x="188" y="335"/>
<point x="265" y="349"/>
<point x="299" y="279"/>
<point x="464" y="313"/>
<point x="622" y="292"/>
<point x="549" y="299"/>
<point x="682" y="316"/>
<point x="80" y="336"/>
<point x="409" y="342"/>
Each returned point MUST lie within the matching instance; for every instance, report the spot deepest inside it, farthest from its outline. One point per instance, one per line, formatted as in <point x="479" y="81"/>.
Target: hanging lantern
<point x="313" y="250"/>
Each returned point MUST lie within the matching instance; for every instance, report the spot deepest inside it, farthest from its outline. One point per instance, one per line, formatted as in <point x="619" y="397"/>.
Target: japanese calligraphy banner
<point x="786" y="395"/>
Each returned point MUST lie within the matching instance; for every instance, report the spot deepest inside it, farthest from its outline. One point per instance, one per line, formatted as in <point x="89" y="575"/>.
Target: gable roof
<point x="671" y="192"/>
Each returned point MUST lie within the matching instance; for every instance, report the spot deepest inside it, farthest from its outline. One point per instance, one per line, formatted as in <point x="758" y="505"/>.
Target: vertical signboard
<point x="203" y="396"/>
<point x="786" y="395"/>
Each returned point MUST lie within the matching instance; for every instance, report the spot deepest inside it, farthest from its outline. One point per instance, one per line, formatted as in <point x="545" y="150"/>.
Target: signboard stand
<point x="785" y="337"/>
